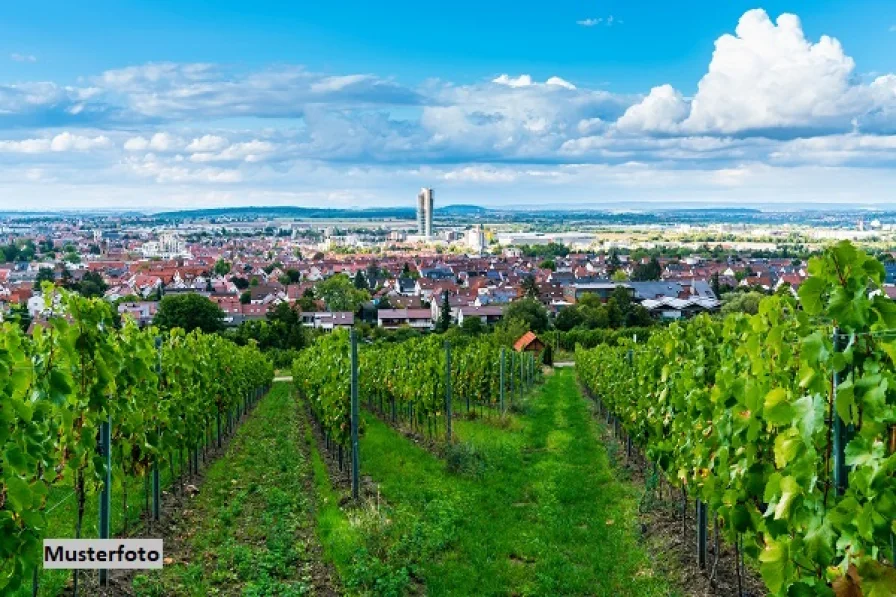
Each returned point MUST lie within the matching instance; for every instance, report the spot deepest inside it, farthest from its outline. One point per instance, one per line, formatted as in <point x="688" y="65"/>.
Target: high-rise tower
<point x="424" y="212"/>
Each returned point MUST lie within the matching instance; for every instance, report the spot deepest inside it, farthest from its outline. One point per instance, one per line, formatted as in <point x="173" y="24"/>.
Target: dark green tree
<point x="568" y="318"/>
<point x="472" y="326"/>
<point x="189" y="311"/>
<point x="360" y="282"/>
<point x="647" y="271"/>
<point x="444" y="314"/>
<point x="530" y="311"/>
<point x="91" y="285"/>
<point x="340" y="294"/>
<point x="44" y="274"/>
<point x="222" y="268"/>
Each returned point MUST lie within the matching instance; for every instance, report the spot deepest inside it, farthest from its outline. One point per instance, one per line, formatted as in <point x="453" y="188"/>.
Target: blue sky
<point x="179" y="104"/>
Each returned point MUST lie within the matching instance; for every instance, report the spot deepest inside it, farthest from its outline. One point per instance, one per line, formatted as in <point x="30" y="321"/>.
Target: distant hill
<point x="288" y="212"/>
<point x="402" y="213"/>
<point x="463" y="210"/>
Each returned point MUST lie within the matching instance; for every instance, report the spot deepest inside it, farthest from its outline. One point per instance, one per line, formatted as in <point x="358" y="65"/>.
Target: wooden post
<point x="448" y="390"/>
<point x="106" y="494"/>
<point x="502" y="380"/>
<point x="356" y="464"/>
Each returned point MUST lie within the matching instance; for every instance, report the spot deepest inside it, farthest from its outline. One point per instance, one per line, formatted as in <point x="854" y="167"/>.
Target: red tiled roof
<point x="524" y="341"/>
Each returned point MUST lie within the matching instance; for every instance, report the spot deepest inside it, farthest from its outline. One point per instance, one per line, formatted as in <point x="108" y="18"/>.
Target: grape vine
<point x="58" y="385"/>
<point x="742" y="412"/>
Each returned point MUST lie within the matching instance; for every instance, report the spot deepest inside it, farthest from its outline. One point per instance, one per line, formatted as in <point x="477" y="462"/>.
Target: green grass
<point x="535" y="510"/>
<point x="246" y="531"/>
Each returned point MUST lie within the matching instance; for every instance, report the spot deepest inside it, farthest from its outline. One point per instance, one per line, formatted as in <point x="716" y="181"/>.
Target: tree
<point x="240" y="283"/>
<point x="716" y="286"/>
<point x="623" y="298"/>
<point x="619" y="276"/>
<point x="547" y="355"/>
<point x="548" y="264"/>
<point x="615" y="315"/>
<point x="472" y="326"/>
<point x="593" y="312"/>
<point x="444" y="314"/>
<point x="340" y="294"/>
<point x="360" y="282"/>
<point x="287" y="324"/>
<point x="530" y="287"/>
<point x="222" y="268"/>
<point x="613" y="262"/>
<point x="568" y="318"/>
<point x="189" y="311"/>
<point x="530" y="311"/>
<point x="384" y="303"/>
<point x="652" y="270"/>
<point x="742" y="302"/>
<point x="91" y="285"/>
<point x="9" y="252"/>
<point x="245" y="297"/>
<point x="44" y="274"/>
<point x="20" y="313"/>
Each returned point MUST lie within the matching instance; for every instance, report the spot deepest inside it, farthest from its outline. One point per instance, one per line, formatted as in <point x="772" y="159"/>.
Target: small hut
<point x="529" y="342"/>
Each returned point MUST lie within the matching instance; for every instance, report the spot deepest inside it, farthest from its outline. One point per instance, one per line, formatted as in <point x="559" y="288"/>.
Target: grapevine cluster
<point x="742" y="413"/>
<point x="406" y="378"/>
<point x="160" y="392"/>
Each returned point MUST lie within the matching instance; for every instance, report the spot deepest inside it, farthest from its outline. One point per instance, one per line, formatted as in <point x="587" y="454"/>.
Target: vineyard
<point x="781" y="424"/>
<point x="410" y="382"/>
<point x="87" y="407"/>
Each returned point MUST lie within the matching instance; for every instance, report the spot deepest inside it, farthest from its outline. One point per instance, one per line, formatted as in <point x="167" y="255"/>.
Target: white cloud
<point x="69" y="142"/>
<point x="520" y="81"/>
<point x="480" y="174"/>
<point x="18" y="57"/>
<point x="207" y="143"/>
<point x="528" y="81"/>
<point x="250" y="151"/>
<point x="150" y="166"/>
<point x="160" y="142"/>
<point x="771" y="102"/>
<point x="595" y="21"/>
<point x="62" y="142"/>
<point x="661" y="111"/>
<point x="558" y="82"/>
<point x="768" y="75"/>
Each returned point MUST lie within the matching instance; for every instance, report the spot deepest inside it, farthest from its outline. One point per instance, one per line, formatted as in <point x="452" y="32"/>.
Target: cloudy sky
<point x="175" y="105"/>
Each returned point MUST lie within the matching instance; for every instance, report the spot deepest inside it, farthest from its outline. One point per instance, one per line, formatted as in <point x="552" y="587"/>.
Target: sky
<point x="162" y="104"/>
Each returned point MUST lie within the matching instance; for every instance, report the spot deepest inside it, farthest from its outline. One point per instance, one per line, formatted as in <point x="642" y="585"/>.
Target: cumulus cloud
<point x="159" y="142"/>
<point x="62" y="142"/>
<point x="250" y="151"/>
<point x="770" y="98"/>
<point x="768" y="75"/>
<point x="527" y="81"/>
<point x="207" y="143"/>
<point x="661" y="111"/>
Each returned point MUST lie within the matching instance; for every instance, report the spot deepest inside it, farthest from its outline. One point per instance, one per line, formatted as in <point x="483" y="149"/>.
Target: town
<point x="407" y="274"/>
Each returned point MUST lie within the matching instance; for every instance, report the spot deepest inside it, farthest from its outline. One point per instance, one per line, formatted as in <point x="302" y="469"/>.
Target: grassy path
<point x="536" y="511"/>
<point x="249" y="531"/>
